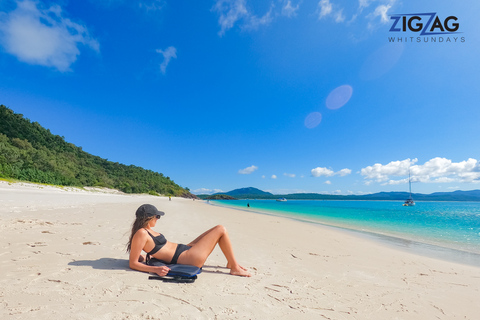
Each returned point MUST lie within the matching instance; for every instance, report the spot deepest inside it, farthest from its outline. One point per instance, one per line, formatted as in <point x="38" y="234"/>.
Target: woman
<point x="156" y="246"/>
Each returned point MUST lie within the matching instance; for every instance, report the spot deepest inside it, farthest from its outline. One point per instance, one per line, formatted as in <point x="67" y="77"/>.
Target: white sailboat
<point x="409" y="202"/>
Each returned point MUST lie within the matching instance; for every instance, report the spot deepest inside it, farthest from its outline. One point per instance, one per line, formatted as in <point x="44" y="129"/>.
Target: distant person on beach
<point x="248" y="205"/>
<point x="156" y="246"/>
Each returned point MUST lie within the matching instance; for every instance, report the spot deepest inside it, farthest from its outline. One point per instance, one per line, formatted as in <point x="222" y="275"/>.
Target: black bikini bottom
<point x="180" y="249"/>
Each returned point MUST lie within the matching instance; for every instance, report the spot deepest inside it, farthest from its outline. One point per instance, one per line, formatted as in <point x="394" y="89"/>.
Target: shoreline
<point x="64" y="257"/>
<point x="396" y="241"/>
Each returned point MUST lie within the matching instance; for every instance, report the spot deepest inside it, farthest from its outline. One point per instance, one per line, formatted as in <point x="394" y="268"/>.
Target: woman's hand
<point x="162" y="271"/>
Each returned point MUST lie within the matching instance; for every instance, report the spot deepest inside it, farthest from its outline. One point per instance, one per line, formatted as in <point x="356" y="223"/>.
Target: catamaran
<point x="409" y="202"/>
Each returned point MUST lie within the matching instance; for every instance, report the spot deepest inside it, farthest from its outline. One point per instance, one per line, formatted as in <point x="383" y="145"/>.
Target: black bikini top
<point x="159" y="241"/>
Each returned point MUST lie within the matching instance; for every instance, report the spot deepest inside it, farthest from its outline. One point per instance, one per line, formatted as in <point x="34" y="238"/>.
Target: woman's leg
<point x="204" y="245"/>
<point x="191" y="244"/>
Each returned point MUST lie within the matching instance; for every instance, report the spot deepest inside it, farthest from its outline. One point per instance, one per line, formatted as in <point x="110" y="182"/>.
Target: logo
<point x="429" y="26"/>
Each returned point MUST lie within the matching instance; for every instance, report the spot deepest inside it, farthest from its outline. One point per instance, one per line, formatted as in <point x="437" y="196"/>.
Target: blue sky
<point x="283" y="95"/>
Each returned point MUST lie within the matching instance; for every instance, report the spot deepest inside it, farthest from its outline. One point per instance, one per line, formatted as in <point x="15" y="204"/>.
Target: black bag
<point x="180" y="273"/>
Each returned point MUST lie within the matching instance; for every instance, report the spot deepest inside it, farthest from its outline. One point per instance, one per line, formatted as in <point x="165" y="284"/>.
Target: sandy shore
<point x="62" y="257"/>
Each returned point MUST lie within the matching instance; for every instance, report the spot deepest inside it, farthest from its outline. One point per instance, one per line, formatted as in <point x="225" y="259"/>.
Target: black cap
<point x="147" y="210"/>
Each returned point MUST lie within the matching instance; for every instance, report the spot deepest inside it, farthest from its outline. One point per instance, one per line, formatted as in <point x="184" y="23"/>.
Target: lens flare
<point x="381" y="61"/>
<point x="339" y="97"/>
<point x="313" y="120"/>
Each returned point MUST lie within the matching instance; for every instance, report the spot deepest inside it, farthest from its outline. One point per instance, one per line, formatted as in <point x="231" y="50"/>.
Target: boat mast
<point x="410" y="184"/>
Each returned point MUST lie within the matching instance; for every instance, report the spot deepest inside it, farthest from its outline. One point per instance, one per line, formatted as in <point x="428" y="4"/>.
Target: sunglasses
<point x="157" y="216"/>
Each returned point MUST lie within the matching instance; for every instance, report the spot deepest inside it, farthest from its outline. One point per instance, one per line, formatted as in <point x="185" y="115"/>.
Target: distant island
<point x="254" y="193"/>
<point x="220" y="197"/>
<point x="29" y="152"/>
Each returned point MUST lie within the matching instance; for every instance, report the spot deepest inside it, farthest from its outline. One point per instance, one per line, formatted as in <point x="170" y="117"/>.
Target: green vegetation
<point x="219" y="197"/>
<point x="30" y="152"/>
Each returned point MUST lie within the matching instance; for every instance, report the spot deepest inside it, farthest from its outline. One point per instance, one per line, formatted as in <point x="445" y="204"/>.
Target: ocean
<point x="447" y="230"/>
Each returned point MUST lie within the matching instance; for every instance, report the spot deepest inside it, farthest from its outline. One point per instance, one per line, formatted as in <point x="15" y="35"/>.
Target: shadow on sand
<point x="103" y="264"/>
<point x="122" y="264"/>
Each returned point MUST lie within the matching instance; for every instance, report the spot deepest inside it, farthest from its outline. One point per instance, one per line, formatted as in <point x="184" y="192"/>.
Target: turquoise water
<point x="454" y="225"/>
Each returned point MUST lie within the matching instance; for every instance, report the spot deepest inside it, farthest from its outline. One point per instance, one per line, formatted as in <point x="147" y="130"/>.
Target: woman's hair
<point x="139" y="223"/>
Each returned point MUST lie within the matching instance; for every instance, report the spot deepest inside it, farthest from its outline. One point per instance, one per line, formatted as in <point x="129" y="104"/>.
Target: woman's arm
<point x="138" y="242"/>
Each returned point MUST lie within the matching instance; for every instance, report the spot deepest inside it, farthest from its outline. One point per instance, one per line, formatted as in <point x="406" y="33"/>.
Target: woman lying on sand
<point x="156" y="246"/>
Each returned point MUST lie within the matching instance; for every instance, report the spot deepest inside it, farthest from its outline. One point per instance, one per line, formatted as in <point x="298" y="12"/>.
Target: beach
<point x="63" y="256"/>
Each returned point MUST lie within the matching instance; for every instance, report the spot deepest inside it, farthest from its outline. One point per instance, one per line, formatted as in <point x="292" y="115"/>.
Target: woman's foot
<point x="239" y="271"/>
<point x="229" y="267"/>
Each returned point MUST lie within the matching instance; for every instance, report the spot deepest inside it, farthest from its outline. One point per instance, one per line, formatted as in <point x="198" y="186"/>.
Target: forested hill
<point x="32" y="153"/>
<point x="254" y="193"/>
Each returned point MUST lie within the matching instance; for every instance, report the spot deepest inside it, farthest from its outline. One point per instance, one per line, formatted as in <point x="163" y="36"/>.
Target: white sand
<point x="62" y="257"/>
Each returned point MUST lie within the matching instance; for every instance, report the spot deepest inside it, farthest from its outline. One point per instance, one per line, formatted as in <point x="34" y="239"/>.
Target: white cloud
<point x="274" y="176"/>
<point x="43" y="36"/>
<point x="321" y="171"/>
<point x="168" y="54"/>
<point x="363" y="4"/>
<point x="290" y="175"/>
<point x="382" y="12"/>
<point x="443" y="180"/>
<point x="248" y="170"/>
<point x="237" y="12"/>
<point x="380" y="172"/>
<point x="436" y="170"/>
<point x="147" y="5"/>
<point x="288" y="10"/>
<point x="344" y="172"/>
<point x="325" y="8"/>
<point x="328" y="182"/>
<point x="374" y="9"/>
<point x="339" y="17"/>
<point x="151" y="5"/>
<point x="255" y="22"/>
<point x="318" y="172"/>
<point x="287" y="191"/>
<point x="232" y="11"/>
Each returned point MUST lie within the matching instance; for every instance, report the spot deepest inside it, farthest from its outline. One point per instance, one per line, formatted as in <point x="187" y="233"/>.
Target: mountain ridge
<point x="254" y="193"/>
